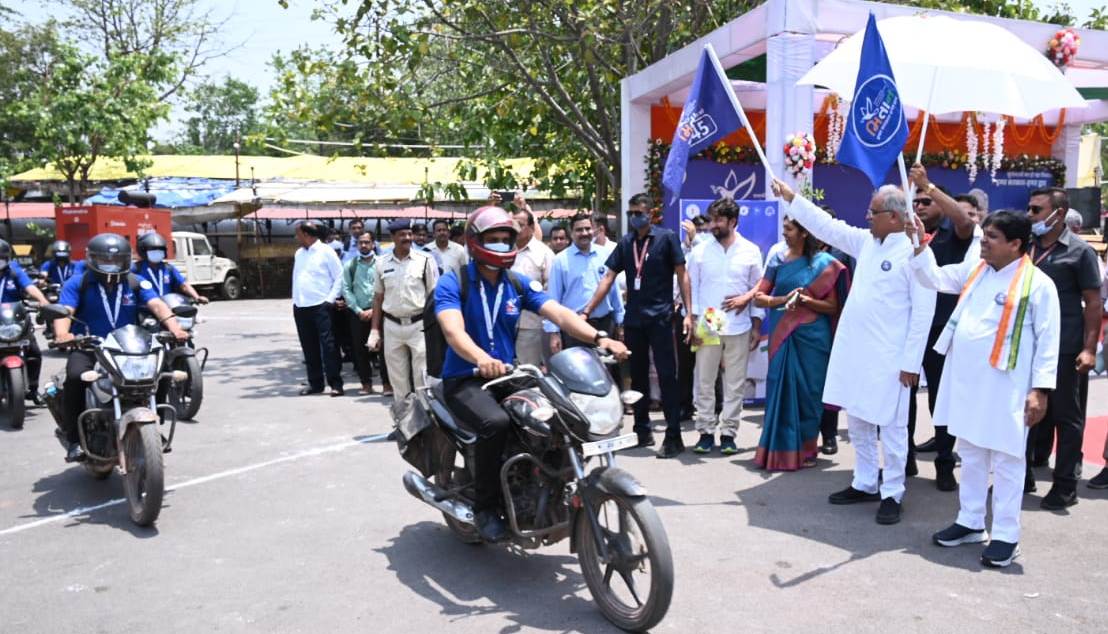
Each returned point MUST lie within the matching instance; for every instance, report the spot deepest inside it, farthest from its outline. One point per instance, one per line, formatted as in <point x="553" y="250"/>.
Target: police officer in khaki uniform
<point x="405" y="279"/>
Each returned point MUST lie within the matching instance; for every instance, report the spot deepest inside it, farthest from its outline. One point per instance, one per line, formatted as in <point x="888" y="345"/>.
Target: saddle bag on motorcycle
<point x="433" y="338"/>
<point x="417" y="436"/>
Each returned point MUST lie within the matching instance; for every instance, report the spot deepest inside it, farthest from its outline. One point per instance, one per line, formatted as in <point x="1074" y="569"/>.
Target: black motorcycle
<point x="558" y="478"/>
<point x="15" y="337"/>
<point x="119" y="427"/>
<point x="186" y="396"/>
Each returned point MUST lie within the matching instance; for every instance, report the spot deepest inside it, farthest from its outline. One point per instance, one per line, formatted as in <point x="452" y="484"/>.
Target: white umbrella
<point x="967" y="65"/>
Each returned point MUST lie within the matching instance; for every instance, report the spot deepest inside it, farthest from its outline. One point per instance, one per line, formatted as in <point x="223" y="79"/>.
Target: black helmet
<point x="150" y="241"/>
<point x="61" y="250"/>
<point x="109" y="256"/>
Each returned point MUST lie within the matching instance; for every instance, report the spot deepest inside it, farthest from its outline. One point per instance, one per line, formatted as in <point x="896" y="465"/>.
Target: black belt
<point x="404" y="321"/>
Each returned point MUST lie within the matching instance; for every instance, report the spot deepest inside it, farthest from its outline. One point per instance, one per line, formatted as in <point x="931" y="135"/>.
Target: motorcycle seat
<point x="445" y="417"/>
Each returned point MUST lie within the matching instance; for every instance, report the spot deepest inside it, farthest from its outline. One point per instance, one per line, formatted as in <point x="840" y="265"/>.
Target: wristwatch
<point x="930" y="186"/>
<point x="600" y="334"/>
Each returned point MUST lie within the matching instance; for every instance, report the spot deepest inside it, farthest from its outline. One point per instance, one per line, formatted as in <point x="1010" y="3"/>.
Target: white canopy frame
<point x="794" y="35"/>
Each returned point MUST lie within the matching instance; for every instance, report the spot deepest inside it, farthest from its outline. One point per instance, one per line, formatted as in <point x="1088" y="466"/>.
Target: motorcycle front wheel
<point x="633" y="582"/>
<point x="13" y="394"/>
<point x="144" y="482"/>
<point x="188" y="394"/>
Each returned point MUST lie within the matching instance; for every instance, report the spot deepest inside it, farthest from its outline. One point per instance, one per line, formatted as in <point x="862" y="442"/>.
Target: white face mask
<point x="155" y="256"/>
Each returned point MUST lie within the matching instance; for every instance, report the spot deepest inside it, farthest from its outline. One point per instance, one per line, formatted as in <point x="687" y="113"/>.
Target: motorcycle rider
<point x="60" y="267"/>
<point x="162" y="275"/>
<point x="16" y="282"/>
<point x="481" y="337"/>
<point x="105" y="297"/>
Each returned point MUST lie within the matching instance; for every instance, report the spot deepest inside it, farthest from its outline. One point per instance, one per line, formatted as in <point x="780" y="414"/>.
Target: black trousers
<point x="656" y="337"/>
<point x="342" y="322"/>
<point x="317" y="341"/>
<point x="477" y="411"/>
<point x="73" y="390"/>
<point x="829" y="424"/>
<point x="686" y="363"/>
<point x="607" y="323"/>
<point x="1064" y="420"/>
<point x="933" y="370"/>
<point x="33" y="356"/>
<point x="363" y="358"/>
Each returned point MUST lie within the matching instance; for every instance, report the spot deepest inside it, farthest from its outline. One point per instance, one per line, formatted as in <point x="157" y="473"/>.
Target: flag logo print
<point x="696" y="125"/>
<point x="878" y="111"/>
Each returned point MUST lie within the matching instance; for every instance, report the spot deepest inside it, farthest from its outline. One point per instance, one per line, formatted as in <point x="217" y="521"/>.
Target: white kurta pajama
<point x="983" y="406"/>
<point x="882" y="332"/>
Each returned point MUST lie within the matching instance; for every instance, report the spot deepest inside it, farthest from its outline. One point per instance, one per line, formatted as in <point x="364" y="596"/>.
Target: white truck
<point x="205" y="271"/>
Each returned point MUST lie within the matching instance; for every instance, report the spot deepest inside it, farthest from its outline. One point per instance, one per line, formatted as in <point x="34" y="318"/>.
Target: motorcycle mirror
<point x="180" y="376"/>
<point x="54" y="311"/>
<point x="90" y="376"/>
<point x="630" y="397"/>
<point x="184" y="310"/>
<point x="542" y="414"/>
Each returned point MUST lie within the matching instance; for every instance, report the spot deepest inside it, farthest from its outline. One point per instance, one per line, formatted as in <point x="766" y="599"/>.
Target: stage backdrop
<point x="846" y="190"/>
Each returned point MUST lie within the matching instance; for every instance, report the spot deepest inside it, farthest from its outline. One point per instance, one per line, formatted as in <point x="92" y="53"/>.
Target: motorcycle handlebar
<point x="85" y="341"/>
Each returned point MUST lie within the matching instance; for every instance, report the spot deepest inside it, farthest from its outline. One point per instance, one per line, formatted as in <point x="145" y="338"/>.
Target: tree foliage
<point x="220" y="115"/>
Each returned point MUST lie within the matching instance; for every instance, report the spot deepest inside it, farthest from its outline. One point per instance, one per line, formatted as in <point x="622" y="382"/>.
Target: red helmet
<point x="488" y="219"/>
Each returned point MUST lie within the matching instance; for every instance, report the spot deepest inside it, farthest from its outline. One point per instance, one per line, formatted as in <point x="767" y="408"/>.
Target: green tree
<point x="87" y="109"/>
<point x="26" y="54"/>
<point x="220" y="113"/>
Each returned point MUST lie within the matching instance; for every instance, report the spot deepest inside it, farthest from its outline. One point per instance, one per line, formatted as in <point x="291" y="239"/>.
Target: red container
<point x="77" y="225"/>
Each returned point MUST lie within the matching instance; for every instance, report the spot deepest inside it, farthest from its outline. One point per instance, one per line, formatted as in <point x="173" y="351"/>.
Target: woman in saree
<point x="801" y="289"/>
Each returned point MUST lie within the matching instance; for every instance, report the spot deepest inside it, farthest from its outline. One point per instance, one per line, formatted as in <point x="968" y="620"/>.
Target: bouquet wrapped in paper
<point x="709" y="328"/>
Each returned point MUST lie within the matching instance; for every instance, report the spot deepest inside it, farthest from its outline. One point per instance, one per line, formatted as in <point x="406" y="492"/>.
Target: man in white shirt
<point x="350" y="248"/>
<point x="878" y="349"/>
<point x="1001" y="345"/>
<point x="600" y="240"/>
<point x="533" y="259"/>
<point x="450" y="256"/>
<point x="316" y="283"/>
<point x="724" y="272"/>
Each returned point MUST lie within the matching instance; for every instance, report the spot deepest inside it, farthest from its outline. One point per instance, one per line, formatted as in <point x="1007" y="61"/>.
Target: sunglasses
<point x="922" y="202"/>
<point x="870" y="213"/>
<point x="1034" y="209"/>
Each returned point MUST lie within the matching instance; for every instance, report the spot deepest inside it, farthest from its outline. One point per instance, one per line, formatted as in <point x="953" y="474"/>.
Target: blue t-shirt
<point x="503" y="342"/>
<point x="58" y="274"/>
<point x="15" y="280"/>
<point x="97" y="303"/>
<point x="165" y="277"/>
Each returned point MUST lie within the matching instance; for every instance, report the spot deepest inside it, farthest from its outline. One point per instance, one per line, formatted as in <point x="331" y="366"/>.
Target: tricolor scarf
<point x="1006" y="345"/>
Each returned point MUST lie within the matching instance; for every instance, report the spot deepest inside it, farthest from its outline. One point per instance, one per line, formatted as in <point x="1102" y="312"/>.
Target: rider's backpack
<point x="433" y="337"/>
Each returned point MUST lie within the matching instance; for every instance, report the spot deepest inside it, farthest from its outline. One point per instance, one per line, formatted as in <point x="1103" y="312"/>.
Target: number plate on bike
<point x="610" y="444"/>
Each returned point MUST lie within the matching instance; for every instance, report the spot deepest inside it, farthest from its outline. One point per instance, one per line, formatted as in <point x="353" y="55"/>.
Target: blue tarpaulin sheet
<point x="172" y="192"/>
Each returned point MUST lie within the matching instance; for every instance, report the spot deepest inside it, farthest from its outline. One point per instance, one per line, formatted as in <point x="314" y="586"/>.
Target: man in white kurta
<point x="989" y="409"/>
<point x="879" y="343"/>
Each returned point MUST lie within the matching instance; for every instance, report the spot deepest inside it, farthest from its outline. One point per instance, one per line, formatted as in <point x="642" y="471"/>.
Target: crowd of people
<point x="999" y="312"/>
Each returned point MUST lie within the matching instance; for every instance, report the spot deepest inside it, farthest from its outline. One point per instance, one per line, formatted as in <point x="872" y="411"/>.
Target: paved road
<point x="287" y="515"/>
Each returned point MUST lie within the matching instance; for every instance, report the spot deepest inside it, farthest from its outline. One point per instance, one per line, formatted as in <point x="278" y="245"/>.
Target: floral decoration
<point x="1063" y="46"/>
<point x="800" y="155"/>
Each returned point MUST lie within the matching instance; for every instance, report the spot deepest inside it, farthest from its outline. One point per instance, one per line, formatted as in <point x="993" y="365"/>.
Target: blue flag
<point x="876" y="130"/>
<point x="711" y="112"/>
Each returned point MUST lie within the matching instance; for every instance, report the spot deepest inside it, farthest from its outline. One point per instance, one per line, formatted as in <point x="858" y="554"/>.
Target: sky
<point x="264" y="28"/>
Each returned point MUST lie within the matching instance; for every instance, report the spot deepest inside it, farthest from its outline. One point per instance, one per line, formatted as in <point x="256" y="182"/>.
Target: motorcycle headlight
<point x="604" y="413"/>
<point x="11" y="332"/>
<point x="138" y="368"/>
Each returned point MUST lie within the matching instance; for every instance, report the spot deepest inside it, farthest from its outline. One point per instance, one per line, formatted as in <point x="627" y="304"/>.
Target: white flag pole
<point x="738" y="108"/>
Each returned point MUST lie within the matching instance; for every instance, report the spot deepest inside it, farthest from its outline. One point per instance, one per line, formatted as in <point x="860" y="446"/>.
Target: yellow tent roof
<point x="307" y="167"/>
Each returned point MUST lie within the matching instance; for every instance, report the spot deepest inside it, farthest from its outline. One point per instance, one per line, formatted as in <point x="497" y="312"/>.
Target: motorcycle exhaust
<point x="428" y="493"/>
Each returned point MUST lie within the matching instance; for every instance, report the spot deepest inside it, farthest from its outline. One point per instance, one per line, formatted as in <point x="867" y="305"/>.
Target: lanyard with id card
<point x="640" y="260"/>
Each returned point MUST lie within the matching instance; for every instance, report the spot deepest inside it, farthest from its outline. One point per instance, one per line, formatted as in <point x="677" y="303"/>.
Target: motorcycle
<point x="558" y="478"/>
<point x="119" y="428"/>
<point x="186" y="396"/>
<point x="15" y="334"/>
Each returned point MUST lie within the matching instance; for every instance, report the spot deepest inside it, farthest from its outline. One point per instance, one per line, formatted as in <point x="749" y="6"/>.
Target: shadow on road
<point x="73" y="488"/>
<point x="260" y="374"/>
<point x="535" y="591"/>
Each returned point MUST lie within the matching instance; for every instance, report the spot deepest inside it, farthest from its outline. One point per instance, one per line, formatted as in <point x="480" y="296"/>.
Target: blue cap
<point x="400" y="224"/>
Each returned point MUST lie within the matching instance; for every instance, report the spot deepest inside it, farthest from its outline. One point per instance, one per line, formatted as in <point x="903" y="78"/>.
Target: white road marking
<point x="85" y="510"/>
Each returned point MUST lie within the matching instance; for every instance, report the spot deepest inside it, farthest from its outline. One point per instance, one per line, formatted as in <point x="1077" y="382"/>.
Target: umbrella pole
<point x="926" y="114"/>
<point x="907" y="194"/>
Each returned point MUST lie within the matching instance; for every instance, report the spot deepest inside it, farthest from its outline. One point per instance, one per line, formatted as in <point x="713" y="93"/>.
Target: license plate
<point x="609" y="444"/>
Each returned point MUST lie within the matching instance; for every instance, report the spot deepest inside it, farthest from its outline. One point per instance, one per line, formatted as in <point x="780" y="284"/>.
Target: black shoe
<point x="394" y="435"/>
<point x="944" y="477"/>
<point x="1055" y="500"/>
<point x="646" y="439"/>
<point x="999" y="554"/>
<point x="308" y="391"/>
<point x="850" y="495"/>
<point x="337" y="391"/>
<point x="830" y="447"/>
<point x="670" y="449"/>
<point x="888" y="512"/>
<point x="490" y="526"/>
<point x="956" y="535"/>
<point x="927" y="447"/>
<point x="35" y="397"/>
<point x="74" y="453"/>
<point x="705" y="445"/>
<point x="1100" y="480"/>
<point x="1029" y="485"/>
<point x="911" y="469"/>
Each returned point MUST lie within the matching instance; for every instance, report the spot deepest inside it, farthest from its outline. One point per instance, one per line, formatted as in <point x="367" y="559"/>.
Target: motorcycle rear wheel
<point x="636" y="542"/>
<point x="188" y="394"/>
<point x="144" y="482"/>
<point x="450" y="476"/>
<point x="13" y="394"/>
